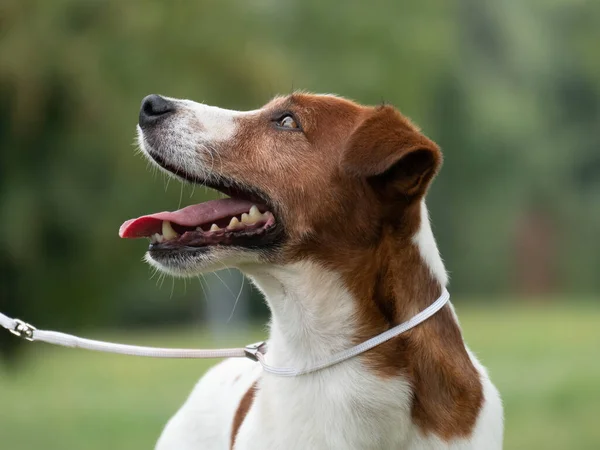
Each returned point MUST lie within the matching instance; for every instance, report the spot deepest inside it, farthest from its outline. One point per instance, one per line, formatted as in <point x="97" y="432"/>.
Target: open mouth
<point x="245" y="219"/>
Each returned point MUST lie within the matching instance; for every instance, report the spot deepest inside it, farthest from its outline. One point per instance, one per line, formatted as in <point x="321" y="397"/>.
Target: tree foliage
<point x="510" y="90"/>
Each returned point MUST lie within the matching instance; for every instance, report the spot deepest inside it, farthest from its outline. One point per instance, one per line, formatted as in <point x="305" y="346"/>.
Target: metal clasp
<point x="23" y="330"/>
<point x="253" y="350"/>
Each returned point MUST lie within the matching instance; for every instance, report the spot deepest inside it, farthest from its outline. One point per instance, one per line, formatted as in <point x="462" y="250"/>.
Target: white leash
<point x="30" y="333"/>
<point x="255" y="352"/>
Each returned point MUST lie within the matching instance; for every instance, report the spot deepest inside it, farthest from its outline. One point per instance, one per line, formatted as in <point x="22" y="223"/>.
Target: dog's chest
<point x="343" y="409"/>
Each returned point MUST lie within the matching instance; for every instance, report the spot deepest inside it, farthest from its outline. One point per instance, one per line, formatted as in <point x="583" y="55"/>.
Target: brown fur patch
<point x="242" y="411"/>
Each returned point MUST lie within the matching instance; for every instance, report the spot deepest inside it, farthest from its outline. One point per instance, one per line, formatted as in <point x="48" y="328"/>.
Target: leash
<point x="255" y="352"/>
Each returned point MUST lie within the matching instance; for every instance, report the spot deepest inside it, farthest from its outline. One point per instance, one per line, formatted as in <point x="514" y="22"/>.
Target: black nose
<point x="154" y="107"/>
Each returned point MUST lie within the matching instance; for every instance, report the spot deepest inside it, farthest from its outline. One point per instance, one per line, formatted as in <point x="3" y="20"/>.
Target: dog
<point x="326" y="216"/>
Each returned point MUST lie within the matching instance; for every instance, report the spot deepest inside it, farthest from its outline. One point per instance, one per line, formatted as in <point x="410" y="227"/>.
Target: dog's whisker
<point x="180" y="196"/>
<point x="202" y="287"/>
<point x="237" y="298"/>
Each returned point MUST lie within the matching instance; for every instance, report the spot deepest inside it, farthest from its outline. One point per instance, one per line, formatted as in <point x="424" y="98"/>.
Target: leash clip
<point x="251" y="351"/>
<point x="23" y="330"/>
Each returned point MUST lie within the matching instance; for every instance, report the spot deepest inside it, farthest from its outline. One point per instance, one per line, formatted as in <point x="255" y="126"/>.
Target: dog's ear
<point x="391" y="152"/>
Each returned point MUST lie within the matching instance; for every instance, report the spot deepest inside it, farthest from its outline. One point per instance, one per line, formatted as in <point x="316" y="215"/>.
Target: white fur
<point x="425" y="241"/>
<point x="489" y="430"/>
<point x="217" y="124"/>
<point x="205" y="419"/>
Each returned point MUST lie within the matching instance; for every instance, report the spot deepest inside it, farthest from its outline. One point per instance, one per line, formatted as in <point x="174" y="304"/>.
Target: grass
<point x="544" y="360"/>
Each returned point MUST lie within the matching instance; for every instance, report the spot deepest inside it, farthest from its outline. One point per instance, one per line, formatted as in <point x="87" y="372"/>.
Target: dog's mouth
<point x="245" y="219"/>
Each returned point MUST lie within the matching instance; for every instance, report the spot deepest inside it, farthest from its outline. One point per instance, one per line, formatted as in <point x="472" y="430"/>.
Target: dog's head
<point x="328" y="177"/>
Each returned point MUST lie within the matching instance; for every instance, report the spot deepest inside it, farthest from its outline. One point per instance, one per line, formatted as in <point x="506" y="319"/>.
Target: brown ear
<point x="389" y="149"/>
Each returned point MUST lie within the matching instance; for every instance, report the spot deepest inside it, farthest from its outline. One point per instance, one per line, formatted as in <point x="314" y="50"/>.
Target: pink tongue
<point x="190" y="216"/>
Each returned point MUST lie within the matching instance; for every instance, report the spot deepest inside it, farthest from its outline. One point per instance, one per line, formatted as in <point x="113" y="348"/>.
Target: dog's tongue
<point x="190" y="216"/>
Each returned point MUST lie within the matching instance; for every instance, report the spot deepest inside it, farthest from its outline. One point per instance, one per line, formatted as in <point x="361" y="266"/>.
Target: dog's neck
<point x="312" y="314"/>
<point x="315" y="314"/>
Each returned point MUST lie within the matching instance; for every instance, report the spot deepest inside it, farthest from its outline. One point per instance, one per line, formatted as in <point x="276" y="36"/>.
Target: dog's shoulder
<point x="206" y="418"/>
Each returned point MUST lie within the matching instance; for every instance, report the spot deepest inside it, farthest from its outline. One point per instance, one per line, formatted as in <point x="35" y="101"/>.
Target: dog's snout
<point x="154" y="107"/>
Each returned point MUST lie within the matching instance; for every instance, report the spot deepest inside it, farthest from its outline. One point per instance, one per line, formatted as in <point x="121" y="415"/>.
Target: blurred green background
<point x="510" y="90"/>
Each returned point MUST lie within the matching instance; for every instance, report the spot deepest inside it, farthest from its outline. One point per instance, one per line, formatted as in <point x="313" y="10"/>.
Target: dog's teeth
<point x="247" y="219"/>
<point x="156" y="238"/>
<point x="168" y="231"/>
<point x="255" y="214"/>
<point x="214" y="227"/>
<point x="234" y="224"/>
<point x="199" y="229"/>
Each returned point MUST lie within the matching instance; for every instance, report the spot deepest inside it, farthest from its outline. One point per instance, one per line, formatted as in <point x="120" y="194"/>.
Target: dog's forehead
<point x="312" y="101"/>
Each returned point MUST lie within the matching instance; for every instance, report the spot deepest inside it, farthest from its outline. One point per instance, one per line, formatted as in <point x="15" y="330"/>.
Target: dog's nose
<point x="154" y="107"/>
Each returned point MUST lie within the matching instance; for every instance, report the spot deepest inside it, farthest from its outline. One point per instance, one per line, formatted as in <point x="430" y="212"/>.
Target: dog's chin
<point x="143" y="143"/>
<point x="196" y="262"/>
<point x="151" y="147"/>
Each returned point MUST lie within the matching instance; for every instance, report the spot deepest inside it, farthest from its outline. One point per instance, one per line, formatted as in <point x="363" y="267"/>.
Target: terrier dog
<point x="326" y="216"/>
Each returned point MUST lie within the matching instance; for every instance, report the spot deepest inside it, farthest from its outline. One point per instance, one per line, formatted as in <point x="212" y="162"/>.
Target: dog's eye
<point x="287" y="122"/>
